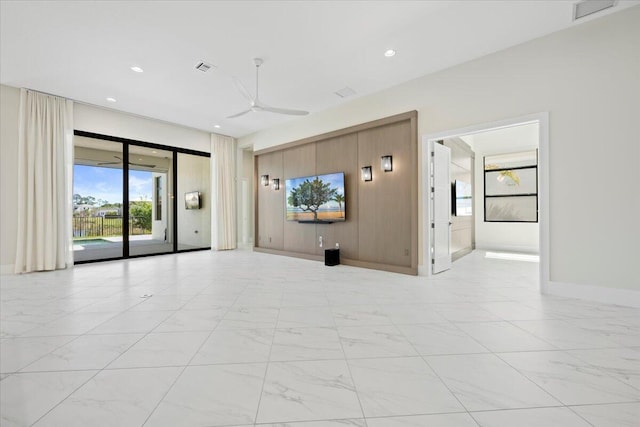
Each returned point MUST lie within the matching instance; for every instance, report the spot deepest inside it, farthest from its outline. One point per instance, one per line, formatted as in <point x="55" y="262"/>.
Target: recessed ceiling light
<point x="137" y="69"/>
<point x="389" y="53"/>
<point x="111" y="99"/>
<point x="216" y="126"/>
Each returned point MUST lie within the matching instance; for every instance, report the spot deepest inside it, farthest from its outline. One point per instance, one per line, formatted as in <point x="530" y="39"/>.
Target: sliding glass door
<point x="125" y="202"/>
<point x="97" y="200"/>
<point x="150" y="217"/>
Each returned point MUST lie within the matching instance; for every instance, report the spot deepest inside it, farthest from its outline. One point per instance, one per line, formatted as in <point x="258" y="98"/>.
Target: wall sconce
<point x="264" y="179"/>
<point x="275" y="183"/>
<point x="365" y="173"/>
<point x="386" y="163"/>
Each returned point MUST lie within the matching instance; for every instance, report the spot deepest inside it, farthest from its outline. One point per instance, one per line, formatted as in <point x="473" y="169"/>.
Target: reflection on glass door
<point x="150" y="190"/>
<point x="194" y="202"/>
<point x="97" y="199"/>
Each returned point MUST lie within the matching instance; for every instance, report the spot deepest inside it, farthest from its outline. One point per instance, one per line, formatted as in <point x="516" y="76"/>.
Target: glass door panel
<point x="194" y="202"/>
<point x="150" y="201"/>
<point x="97" y="199"/>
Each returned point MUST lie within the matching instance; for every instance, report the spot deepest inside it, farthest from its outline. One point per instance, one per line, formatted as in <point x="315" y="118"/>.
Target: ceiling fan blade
<point x="283" y="111"/>
<point x="242" y="89"/>
<point x="110" y="163"/>
<point x="142" y="165"/>
<point x="239" y="114"/>
<point x="254" y="102"/>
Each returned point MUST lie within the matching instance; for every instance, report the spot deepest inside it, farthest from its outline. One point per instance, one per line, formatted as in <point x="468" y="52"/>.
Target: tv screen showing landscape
<point x="316" y="198"/>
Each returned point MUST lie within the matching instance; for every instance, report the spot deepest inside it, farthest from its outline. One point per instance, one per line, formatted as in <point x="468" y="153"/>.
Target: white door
<point x="440" y="208"/>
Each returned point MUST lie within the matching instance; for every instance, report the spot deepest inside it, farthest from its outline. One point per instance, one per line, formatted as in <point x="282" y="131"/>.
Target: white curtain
<point x="45" y="180"/>
<point x="223" y="177"/>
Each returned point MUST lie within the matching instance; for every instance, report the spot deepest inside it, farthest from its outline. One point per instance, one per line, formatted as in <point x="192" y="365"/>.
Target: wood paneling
<point x="381" y="228"/>
<point x="298" y="161"/>
<point x="340" y="154"/>
<point x="269" y="232"/>
<point x="384" y="220"/>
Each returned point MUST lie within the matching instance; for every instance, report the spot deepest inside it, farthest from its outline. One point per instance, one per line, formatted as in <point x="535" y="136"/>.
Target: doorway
<point x="540" y="121"/>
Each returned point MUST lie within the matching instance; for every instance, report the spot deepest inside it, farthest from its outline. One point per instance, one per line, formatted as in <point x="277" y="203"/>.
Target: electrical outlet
<point x="320" y="241"/>
<point x="406" y="252"/>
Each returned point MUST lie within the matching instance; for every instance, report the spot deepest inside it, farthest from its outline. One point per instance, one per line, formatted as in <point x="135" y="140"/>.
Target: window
<point x="124" y="198"/>
<point x="511" y="187"/>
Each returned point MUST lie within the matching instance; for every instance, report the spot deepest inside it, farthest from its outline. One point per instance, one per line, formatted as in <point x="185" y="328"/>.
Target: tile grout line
<point x="184" y="368"/>
<point x="97" y="371"/>
<point x="346" y="362"/>
<point x="266" y="368"/>
<point x="430" y="367"/>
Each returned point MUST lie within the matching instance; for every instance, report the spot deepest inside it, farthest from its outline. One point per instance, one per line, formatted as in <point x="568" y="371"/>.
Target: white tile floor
<point x="244" y="339"/>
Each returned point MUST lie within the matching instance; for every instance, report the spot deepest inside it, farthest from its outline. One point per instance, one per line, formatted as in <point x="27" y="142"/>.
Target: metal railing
<point x="106" y="226"/>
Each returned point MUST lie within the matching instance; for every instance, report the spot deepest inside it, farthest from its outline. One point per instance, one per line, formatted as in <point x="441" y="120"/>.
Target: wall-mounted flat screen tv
<point x="463" y="199"/>
<point x="316" y="199"/>
<point x="192" y="200"/>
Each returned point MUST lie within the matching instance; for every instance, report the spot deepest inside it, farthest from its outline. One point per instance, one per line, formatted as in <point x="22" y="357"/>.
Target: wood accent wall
<point x="381" y="227"/>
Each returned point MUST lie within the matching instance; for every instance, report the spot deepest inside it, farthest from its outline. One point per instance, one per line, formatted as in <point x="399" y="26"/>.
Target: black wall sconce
<point x="386" y="163"/>
<point x="264" y="179"/>
<point x="365" y="173"/>
<point x="275" y="183"/>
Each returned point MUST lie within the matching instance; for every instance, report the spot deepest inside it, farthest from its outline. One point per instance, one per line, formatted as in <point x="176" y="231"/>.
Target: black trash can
<point x="331" y="257"/>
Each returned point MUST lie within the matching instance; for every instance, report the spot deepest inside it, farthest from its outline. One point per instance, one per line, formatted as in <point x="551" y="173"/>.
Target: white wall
<point x="586" y="77"/>
<point x="9" y="107"/>
<point x="520" y="237"/>
<point x="90" y="118"/>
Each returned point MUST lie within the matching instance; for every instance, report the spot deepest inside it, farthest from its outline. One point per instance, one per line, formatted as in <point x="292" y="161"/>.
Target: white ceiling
<point x="84" y="50"/>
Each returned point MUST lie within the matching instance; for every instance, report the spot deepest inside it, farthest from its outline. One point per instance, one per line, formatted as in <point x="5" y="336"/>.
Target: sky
<point x="106" y="183"/>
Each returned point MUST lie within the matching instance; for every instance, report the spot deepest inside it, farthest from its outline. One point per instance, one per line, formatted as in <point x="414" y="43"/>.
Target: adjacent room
<point x="319" y="213"/>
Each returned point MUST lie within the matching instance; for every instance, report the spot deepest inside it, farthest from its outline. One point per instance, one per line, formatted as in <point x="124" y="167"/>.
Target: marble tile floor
<point x="245" y="339"/>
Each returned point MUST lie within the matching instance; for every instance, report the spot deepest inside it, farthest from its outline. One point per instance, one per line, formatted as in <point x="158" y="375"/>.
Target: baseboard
<point x="346" y="261"/>
<point x="244" y="246"/>
<point x="601" y="294"/>
<point x="459" y="254"/>
<point x="7" y="269"/>
<point x="423" y="270"/>
<point x="507" y="248"/>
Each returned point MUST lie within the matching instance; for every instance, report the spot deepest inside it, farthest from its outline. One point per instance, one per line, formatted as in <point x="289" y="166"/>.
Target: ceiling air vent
<point x="587" y="7"/>
<point x="345" y="92"/>
<point x="203" y="66"/>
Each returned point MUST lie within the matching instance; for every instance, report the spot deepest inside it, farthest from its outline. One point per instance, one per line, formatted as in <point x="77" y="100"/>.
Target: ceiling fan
<point x="255" y="104"/>
<point x="120" y="161"/>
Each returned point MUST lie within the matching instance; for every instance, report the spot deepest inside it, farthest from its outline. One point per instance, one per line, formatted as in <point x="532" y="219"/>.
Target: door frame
<point x="543" y="194"/>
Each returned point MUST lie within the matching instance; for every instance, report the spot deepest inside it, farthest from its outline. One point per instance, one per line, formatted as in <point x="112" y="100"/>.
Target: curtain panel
<point x="45" y="182"/>
<point x="223" y="213"/>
